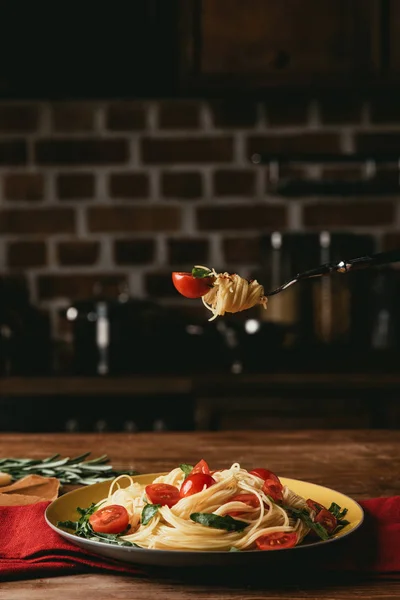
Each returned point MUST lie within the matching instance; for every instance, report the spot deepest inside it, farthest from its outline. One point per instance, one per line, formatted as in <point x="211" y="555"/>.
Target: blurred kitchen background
<point x="258" y="137"/>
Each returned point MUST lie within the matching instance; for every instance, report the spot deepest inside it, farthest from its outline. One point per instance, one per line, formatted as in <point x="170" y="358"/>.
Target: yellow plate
<point x="64" y="509"/>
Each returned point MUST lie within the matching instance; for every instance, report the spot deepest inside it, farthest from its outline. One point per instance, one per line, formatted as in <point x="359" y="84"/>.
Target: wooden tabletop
<point x="358" y="463"/>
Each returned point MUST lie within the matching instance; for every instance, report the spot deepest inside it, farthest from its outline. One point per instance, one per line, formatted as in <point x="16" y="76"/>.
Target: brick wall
<point x="124" y="192"/>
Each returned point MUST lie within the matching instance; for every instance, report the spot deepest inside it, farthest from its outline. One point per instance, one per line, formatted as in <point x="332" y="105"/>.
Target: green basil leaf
<point x="68" y="524"/>
<point x="200" y="273"/>
<point x="233" y="549"/>
<point x="187" y="469"/>
<point x="218" y="522"/>
<point x="148" y="513"/>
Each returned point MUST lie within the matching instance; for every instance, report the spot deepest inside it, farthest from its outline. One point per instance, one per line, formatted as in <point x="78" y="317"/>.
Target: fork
<point x="342" y="266"/>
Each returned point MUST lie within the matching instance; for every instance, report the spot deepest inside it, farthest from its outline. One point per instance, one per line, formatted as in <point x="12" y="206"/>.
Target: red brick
<point x="78" y="253"/>
<point x="179" y="114"/>
<point x="391" y="241"/>
<point x="255" y="216"/>
<point x="134" y="218"/>
<point x="188" y="251"/>
<point x="134" y="252"/>
<point x="236" y="114"/>
<point x="26" y="254"/>
<point x="378" y="143"/>
<point x="126" y="116"/>
<point x="39" y="221"/>
<point x="81" y="151"/>
<point x="18" y="118"/>
<point x="23" y="186"/>
<point x="129" y="185"/>
<point x="349" y="214"/>
<point x="340" y="108"/>
<point x="182" y="185"/>
<point x="385" y="109"/>
<point x="301" y="143"/>
<point x="242" y="250"/>
<point x="187" y="150"/>
<point x="73" y="117"/>
<point x="13" y="152"/>
<point x="73" y="186"/>
<point x="283" y="110"/>
<point x="234" y="183"/>
<point x="80" y="286"/>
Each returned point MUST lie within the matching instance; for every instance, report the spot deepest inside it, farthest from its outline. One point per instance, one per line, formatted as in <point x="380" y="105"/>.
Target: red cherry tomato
<point x="162" y="493"/>
<point x="110" y="519"/>
<point x="249" y="499"/>
<point x="201" y="467"/>
<point x="327" y="520"/>
<point x="191" y="287"/>
<point x="277" y="540"/>
<point x="274" y="489"/>
<point x="316" y="506"/>
<point x="265" y="474"/>
<point x="195" y="483"/>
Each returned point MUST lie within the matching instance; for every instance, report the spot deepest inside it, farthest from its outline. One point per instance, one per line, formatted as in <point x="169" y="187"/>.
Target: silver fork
<point x="342" y="266"/>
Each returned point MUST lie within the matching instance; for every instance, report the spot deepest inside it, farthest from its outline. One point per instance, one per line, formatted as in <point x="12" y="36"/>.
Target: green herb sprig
<point x="72" y="471"/>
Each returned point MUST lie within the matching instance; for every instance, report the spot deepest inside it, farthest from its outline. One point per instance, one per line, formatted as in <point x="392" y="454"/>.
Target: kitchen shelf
<point x="179" y="385"/>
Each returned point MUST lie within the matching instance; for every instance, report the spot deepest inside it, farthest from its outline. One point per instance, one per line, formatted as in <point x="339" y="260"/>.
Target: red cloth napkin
<point x="30" y="548"/>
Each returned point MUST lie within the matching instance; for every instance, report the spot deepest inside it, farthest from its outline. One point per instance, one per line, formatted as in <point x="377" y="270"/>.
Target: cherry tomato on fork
<point x="162" y="493"/>
<point x="191" y="287"/>
<point x="195" y="483"/>
<point x="277" y="540"/>
<point x="110" y="519"/>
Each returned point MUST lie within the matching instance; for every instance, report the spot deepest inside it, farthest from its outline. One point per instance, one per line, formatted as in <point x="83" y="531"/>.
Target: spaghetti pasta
<point x="178" y="528"/>
<point x="232" y="293"/>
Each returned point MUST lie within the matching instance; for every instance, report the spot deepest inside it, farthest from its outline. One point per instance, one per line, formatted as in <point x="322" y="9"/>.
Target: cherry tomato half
<point x="265" y="474"/>
<point x="316" y="506"/>
<point x="110" y="519"/>
<point x="274" y="489"/>
<point x="191" y="287"/>
<point x="277" y="540"/>
<point x="162" y="493"/>
<point x="249" y="499"/>
<point x="327" y="520"/>
<point x="195" y="483"/>
<point x="201" y="467"/>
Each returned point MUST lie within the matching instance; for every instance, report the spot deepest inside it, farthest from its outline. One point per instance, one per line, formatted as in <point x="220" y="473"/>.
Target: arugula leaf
<point x="218" y="522"/>
<point x="82" y="528"/>
<point x="148" y="513"/>
<point x="304" y="515"/>
<point x="200" y="273"/>
<point x="337" y="511"/>
<point x="187" y="469"/>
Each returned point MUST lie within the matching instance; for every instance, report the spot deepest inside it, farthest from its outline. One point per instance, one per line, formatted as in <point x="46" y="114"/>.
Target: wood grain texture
<point x="359" y="463"/>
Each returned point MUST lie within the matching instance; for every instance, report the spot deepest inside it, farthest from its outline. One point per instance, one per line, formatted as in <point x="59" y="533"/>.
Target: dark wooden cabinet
<point x="392" y="37"/>
<point x="262" y="43"/>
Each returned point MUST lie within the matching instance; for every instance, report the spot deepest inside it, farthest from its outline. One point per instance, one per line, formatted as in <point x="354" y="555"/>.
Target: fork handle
<point x="352" y="264"/>
<point x="363" y="262"/>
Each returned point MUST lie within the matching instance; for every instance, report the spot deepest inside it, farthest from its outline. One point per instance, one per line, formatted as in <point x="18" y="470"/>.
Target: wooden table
<point x="359" y="463"/>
